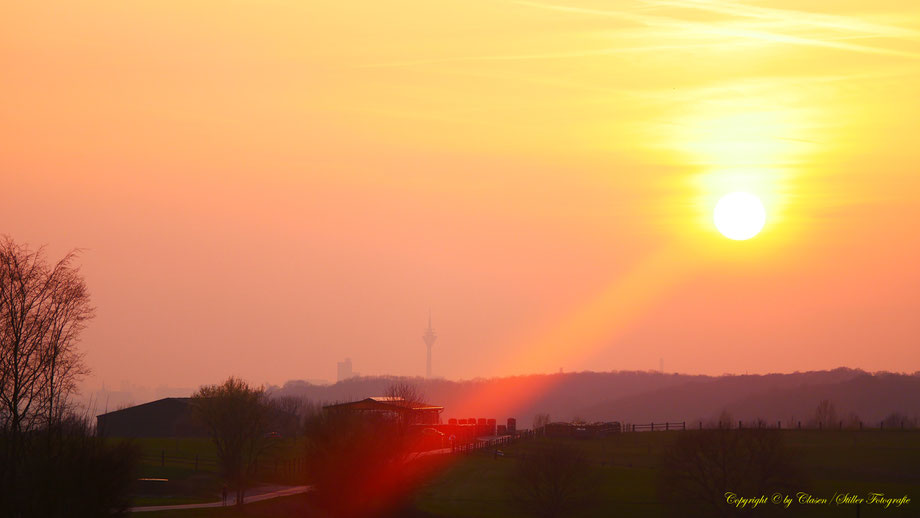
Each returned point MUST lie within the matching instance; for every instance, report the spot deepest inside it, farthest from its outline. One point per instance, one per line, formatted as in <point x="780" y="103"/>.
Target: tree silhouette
<point x="825" y="415"/>
<point x="43" y="309"/>
<point x="51" y="461"/>
<point x="552" y="480"/>
<point x="702" y="466"/>
<point x="236" y="416"/>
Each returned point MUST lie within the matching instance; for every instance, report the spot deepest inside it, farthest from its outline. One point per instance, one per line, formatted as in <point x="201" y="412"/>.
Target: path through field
<point x="262" y="493"/>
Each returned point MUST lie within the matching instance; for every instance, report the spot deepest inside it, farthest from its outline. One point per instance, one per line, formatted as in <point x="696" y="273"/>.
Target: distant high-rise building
<point x="344" y="370"/>
<point x="429" y="338"/>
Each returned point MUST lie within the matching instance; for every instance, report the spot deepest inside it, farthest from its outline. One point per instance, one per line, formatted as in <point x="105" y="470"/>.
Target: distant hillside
<point x="648" y="396"/>
<point x="871" y="398"/>
<point x="556" y="394"/>
<point x="745" y="397"/>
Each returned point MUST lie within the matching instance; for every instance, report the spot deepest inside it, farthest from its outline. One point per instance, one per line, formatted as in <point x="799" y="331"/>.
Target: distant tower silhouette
<point x="344" y="370"/>
<point x="429" y="338"/>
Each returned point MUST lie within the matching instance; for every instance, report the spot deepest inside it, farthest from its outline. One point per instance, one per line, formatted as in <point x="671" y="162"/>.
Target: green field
<point x="477" y="485"/>
<point x="188" y="481"/>
<point x="854" y="462"/>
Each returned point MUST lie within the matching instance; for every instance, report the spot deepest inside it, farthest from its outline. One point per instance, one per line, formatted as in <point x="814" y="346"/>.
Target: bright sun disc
<point x="739" y="216"/>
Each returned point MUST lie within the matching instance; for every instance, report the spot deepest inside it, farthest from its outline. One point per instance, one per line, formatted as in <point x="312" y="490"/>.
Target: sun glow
<point x="739" y="216"/>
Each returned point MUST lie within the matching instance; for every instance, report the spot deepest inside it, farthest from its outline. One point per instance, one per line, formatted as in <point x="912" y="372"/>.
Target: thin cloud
<point x="734" y="29"/>
<point x="770" y="26"/>
<point x="792" y="17"/>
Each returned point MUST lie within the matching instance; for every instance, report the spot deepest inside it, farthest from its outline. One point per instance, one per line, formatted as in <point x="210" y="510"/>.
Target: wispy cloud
<point x="746" y="26"/>
<point x="792" y="17"/>
<point x="783" y="22"/>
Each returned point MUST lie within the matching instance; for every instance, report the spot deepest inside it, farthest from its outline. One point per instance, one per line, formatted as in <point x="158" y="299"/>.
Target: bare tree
<point x="51" y="461"/>
<point x="540" y="421"/>
<point x="553" y="479"/>
<point x="701" y="466"/>
<point x="408" y="392"/>
<point x="289" y="404"/>
<point x="236" y="416"/>
<point x="43" y="309"/>
<point x="852" y="420"/>
<point x="896" y="420"/>
<point x="725" y="419"/>
<point x="288" y="413"/>
<point x="825" y="414"/>
<point x="409" y="396"/>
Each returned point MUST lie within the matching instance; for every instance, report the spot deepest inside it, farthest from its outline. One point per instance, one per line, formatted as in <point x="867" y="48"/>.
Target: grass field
<point x="187" y="481"/>
<point x="477" y="485"/>
<point x="832" y="462"/>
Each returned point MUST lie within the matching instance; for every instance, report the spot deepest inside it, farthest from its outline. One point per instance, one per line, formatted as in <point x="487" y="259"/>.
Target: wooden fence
<point x="652" y="427"/>
<point x="741" y="425"/>
<point x="489" y="444"/>
<point x="272" y="468"/>
<point x="195" y="462"/>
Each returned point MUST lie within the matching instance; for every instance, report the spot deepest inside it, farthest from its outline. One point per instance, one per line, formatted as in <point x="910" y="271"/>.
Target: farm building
<point x="391" y="408"/>
<point x="167" y="417"/>
<point x="175" y="417"/>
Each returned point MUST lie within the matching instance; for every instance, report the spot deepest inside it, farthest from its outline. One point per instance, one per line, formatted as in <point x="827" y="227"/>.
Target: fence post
<point x="739" y="424"/>
<point x="881" y="425"/>
<point x="779" y="425"/>
<point x="683" y="425"/>
<point x="860" y="427"/>
<point x="701" y="425"/>
<point x="667" y="426"/>
<point x="800" y="425"/>
<point x="653" y="427"/>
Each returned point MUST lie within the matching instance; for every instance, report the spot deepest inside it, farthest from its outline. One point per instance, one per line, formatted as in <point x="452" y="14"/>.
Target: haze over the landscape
<point x="266" y="188"/>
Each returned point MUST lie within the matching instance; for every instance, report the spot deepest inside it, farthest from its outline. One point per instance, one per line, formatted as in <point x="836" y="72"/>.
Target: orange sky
<point x="264" y="188"/>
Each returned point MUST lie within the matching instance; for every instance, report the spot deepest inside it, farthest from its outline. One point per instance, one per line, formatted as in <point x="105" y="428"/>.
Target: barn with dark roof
<point x="167" y="417"/>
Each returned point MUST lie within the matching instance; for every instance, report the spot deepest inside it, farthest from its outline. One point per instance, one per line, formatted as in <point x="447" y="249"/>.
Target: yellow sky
<point x="313" y="176"/>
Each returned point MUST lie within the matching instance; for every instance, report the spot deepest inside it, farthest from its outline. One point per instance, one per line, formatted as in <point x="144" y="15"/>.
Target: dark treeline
<point x="639" y="397"/>
<point x="65" y="470"/>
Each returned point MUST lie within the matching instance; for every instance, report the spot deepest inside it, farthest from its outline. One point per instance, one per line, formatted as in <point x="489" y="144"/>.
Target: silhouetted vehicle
<point x="431" y="439"/>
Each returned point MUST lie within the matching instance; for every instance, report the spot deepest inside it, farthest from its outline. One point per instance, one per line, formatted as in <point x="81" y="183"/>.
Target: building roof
<point x="396" y="404"/>
<point x="183" y="401"/>
<point x="167" y="417"/>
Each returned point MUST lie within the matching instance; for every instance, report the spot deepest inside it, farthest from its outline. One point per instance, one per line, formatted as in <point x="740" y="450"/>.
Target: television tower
<point x="429" y="338"/>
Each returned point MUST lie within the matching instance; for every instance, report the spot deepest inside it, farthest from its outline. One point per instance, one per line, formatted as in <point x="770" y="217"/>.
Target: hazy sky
<point x="264" y="188"/>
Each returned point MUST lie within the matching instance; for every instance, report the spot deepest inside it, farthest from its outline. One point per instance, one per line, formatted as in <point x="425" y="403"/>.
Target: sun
<point x="739" y="216"/>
